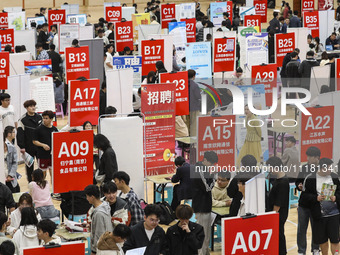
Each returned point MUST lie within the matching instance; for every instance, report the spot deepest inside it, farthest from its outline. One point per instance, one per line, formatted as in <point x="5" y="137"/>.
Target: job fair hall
<point x="169" y="127"/>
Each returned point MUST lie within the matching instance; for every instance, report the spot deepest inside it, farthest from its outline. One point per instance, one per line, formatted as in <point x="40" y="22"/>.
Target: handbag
<point x="99" y="177"/>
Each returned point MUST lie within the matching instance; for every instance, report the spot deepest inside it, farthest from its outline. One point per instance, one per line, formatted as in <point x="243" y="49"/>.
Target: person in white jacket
<point x="26" y="236"/>
<point x="3" y="225"/>
<point x="25" y="200"/>
<point x="219" y="192"/>
<point x="111" y="243"/>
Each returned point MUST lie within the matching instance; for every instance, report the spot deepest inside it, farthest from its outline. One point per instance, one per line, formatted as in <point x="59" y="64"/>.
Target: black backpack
<point x="167" y="215"/>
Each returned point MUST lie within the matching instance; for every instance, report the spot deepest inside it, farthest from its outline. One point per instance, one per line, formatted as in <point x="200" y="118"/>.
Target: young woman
<point x="39" y="189"/>
<point x="324" y="59"/>
<point x="11" y="160"/>
<point x="25" y="200"/>
<point x="26" y="235"/>
<point x="87" y="125"/>
<point x="150" y="78"/>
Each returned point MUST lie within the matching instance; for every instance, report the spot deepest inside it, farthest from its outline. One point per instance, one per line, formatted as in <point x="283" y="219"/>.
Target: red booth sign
<point x="311" y="20"/>
<point x="113" y="13"/>
<point x="224" y="54"/>
<point x="56" y="17"/>
<point x="7" y="37"/>
<point x="84" y="102"/>
<point x="4" y="69"/>
<point x="230" y="10"/>
<point x="217" y="134"/>
<point x="261" y="9"/>
<point x="190" y="29"/>
<point x="337" y="74"/>
<point x="317" y="130"/>
<point x="267" y="75"/>
<point x="307" y="5"/>
<point x="4" y="20"/>
<point x="253" y="21"/>
<point x="152" y="51"/>
<point x="252" y="236"/>
<point x="182" y="90"/>
<point x="72" y="159"/>
<point x="65" y="249"/>
<point x="168" y="13"/>
<point x="284" y="43"/>
<point x="158" y="106"/>
<point x="123" y="35"/>
<point x="77" y="63"/>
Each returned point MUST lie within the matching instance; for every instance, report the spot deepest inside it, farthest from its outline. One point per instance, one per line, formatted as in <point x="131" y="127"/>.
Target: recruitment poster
<point x="158" y="106"/>
<point x="123" y="35"/>
<point x="84" y="102"/>
<point x="317" y="130"/>
<point x="241" y="35"/>
<point x="16" y="20"/>
<point x="152" y="51"/>
<point x="42" y="91"/>
<point x="178" y="30"/>
<point x="257" y="49"/>
<point x="198" y="58"/>
<point x="4" y="69"/>
<point x="38" y="68"/>
<point x="134" y="62"/>
<point x="187" y="10"/>
<point x="217" y="134"/>
<point x="190" y="29"/>
<point x="216" y="12"/>
<point x="224" y="54"/>
<point x="77" y="63"/>
<point x="67" y="33"/>
<point x="139" y="19"/>
<point x="80" y="19"/>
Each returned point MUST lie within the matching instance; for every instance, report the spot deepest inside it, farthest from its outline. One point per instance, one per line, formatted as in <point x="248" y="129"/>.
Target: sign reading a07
<point x="180" y="84"/>
<point x="124" y="30"/>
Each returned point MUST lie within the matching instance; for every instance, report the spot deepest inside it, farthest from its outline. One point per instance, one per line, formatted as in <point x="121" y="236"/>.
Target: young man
<point x="111" y="243"/>
<point x="7" y="112"/>
<point x="219" y="192"/>
<point x="43" y="36"/>
<point x="3" y="226"/>
<point x="305" y="69"/>
<point x="42" y="138"/>
<point x="292" y="73"/>
<point x="279" y="198"/>
<point x="148" y="233"/>
<point x="41" y="53"/>
<point x="102" y="36"/>
<point x="100" y="218"/>
<point x="45" y="231"/>
<point x="290" y="158"/>
<point x="8" y="248"/>
<point x="27" y="124"/>
<point x="55" y="59"/>
<point x="194" y="101"/>
<point x="122" y="181"/>
<point x="304" y="214"/>
<point x="331" y="40"/>
<point x="275" y="23"/>
<point x="108" y="65"/>
<point x="102" y="99"/>
<point x="325" y="210"/>
<point x="202" y="184"/>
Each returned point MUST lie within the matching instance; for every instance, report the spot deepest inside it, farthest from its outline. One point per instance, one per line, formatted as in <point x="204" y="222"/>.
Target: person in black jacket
<point x="271" y="46"/>
<point x="305" y="69"/>
<point x="324" y="209"/>
<point x="285" y="61"/>
<point x="43" y="36"/>
<point x="331" y="62"/>
<point x="275" y="23"/>
<point x="304" y="215"/>
<point x="102" y="99"/>
<point x="194" y="101"/>
<point x="108" y="162"/>
<point x="55" y="58"/>
<point x="183" y="189"/>
<point x="295" y="21"/>
<point x="148" y="233"/>
<point x="26" y="126"/>
<point x="292" y="72"/>
<point x="226" y="18"/>
<point x="186" y="237"/>
<point x="202" y="184"/>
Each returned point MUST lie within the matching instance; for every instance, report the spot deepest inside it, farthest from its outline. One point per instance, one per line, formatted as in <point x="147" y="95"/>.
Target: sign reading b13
<point x="7" y="37"/>
<point x="72" y="160"/>
<point x="123" y="35"/>
<point x="311" y="20"/>
<point x="284" y="43"/>
<point x="4" y="69"/>
<point x="113" y="13"/>
<point x="77" y="63"/>
<point x="56" y="17"/>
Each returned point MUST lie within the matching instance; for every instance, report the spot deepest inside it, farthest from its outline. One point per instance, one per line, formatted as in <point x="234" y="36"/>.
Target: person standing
<point x="194" y="101"/>
<point x="55" y="58"/>
<point x="292" y="73"/>
<point x="108" y="65"/>
<point x="305" y="69"/>
<point x="7" y="112"/>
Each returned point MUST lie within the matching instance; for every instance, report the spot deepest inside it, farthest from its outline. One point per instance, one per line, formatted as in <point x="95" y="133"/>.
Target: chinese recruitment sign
<point x="159" y="108"/>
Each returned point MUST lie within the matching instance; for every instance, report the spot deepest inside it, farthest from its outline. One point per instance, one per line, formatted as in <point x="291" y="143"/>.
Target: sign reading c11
<point x="152" y="51"/>
<point x="123" y="35"/>
<point x="4" y="69"/>
<point x="168" y="13"/>
<point x="224" y="54"/>
<point x="77" y="63"/>
<point x="72" y="159"/>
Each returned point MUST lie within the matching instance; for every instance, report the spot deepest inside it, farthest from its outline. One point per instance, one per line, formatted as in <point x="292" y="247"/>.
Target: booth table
<point x="161" y="180"/>
<point x="220" y="212"/>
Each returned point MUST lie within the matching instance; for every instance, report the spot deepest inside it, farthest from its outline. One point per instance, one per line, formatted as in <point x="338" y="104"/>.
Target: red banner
<point x="230" y="10"/>
<point x="217" y="134"/>
<point x="182" y="90"/>
<point x="38" y="62"/>
<point x="318" y="130"/>
<point x="307" y="5"/>
<point x="7" y="37"/>
<point x="152" y="51"/>
<point x="253" y="21"/>
<point x="168" y="13"/>
<point x="3" y="20"/>
<point x="325" y="5"/>
<point x="113" y="13"/>
<point x="253" y="236"/>
<point x="224" y="54"/>
<point x="261" y="9"/>
<point x="123" y="35"/>
<point x="84" y="102"/>
<point x="311" y="20"/>
<point x="56" y="17"/>
<point x="267" y="75"/>
<point x="72" y="160"/>
<point x="4" y="69"/>
<point x="191" y="29"/>
<point x="337" y="74"/>
<point x="158" y="105"/>
<point x="77" y="63"/>
<point x="284" y="43"/>
<point x="65" y="249"/>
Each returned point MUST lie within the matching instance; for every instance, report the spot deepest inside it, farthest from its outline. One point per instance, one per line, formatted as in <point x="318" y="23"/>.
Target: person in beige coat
<point x="219" y="191"/>
<point x="111" y="242"/>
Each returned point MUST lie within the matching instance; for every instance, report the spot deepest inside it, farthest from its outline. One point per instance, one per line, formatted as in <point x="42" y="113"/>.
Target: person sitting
<point x="3" y="226"/>
<point x="186" y="237"/>
<point x="331" y="40"/>
<point x="7" y="248"/>
<point x="183" y="189"/>
<point x="26" y="236"/>
<point x="122" y="181"/>
<point x="45" y="233"/>
<point x="219" y="191"/>
<point x="147" y="233"/>
<point x="110" y="243"/>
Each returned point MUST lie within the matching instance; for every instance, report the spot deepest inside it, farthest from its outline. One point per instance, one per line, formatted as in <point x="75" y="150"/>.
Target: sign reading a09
<point x="3" y="63"/>
<point x="124" y="30"/>
<point x="180" y="84"/>
<point x="152" y="50"/>
<point x="6" y="38"/>
<point x="77" y="57"/>
<point x="74" y="149"/>
<point x="285" y="43"/>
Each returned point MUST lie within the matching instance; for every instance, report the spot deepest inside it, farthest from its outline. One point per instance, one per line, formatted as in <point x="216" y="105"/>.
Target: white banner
<point x="41" y="90"/>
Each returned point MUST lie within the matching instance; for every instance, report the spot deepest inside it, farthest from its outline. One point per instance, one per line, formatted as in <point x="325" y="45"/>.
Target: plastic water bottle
<point x="336" y="252"/>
